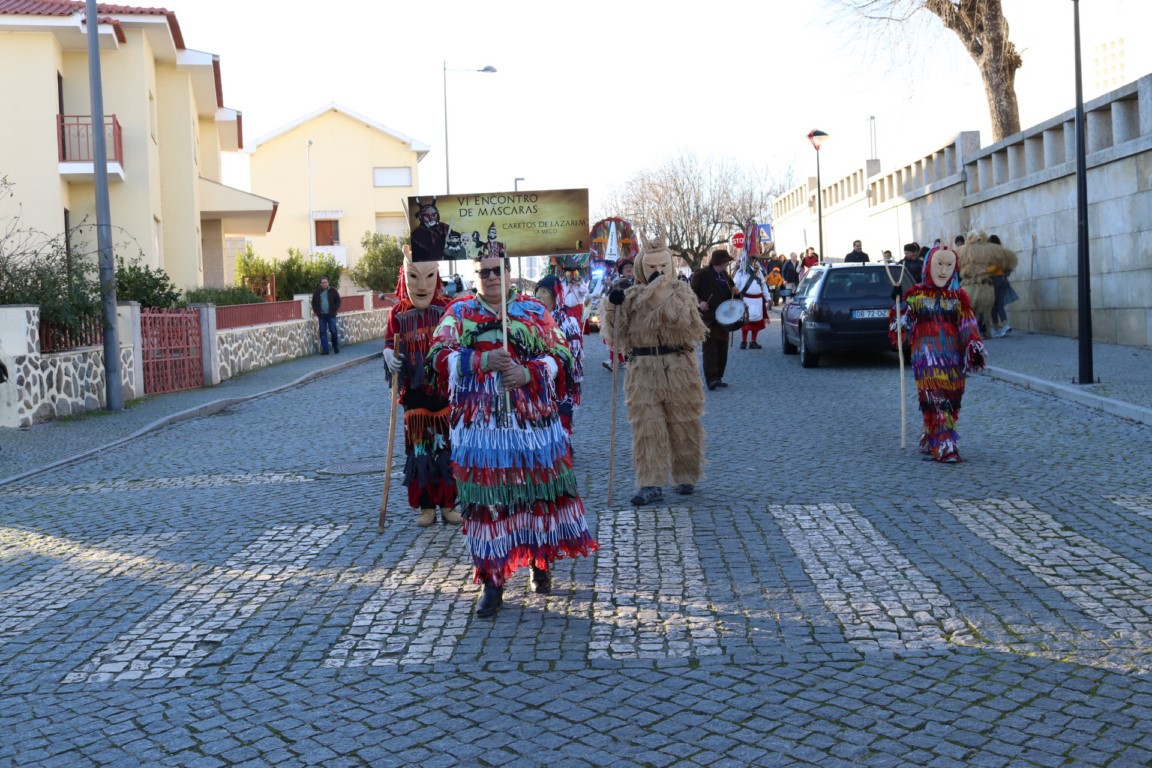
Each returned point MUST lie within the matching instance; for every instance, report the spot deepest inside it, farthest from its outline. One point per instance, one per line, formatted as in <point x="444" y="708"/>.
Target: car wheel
<point x="808" y="358"/>
<point x="788" y="347"/>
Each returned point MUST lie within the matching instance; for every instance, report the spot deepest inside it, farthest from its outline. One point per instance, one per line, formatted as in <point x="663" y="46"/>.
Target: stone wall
<point x="43" y="387"/>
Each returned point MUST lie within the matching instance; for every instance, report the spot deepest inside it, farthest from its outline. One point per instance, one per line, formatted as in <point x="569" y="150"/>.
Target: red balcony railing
<point x="241" y="315"/>
<point x="74" y="134"/>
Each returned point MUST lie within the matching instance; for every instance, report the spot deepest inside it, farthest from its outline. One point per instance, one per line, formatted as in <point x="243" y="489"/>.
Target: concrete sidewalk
<point x="24" y="452"/>
<point x="1048" y="364"/>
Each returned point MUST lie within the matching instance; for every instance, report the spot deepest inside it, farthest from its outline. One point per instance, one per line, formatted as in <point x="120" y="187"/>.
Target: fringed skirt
<point x="428" y="458"/>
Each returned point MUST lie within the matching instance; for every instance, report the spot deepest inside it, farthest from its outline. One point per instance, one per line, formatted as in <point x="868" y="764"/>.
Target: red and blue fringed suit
<point x="571" y="398"/>
<point x="427" y="447"/>
<point x="514" y="479"/>
<point x="946" y="346"/>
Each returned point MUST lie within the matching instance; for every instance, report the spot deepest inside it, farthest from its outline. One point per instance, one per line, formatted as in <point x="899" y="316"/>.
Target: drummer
<point x="713" y="286"/>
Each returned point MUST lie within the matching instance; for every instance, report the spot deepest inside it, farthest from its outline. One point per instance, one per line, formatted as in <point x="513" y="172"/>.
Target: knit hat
<point x="551" y="284"/>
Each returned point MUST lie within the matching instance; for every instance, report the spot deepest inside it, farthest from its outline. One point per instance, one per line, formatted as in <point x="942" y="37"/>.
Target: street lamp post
<point x="447" y="176"/>
<point x="311" y="225"/>
<point x="1083" y="276"/>
<point x="818" y="138"/>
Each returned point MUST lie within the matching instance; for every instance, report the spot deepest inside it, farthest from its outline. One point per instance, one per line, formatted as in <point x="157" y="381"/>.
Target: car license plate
<point x="860" y="314"/>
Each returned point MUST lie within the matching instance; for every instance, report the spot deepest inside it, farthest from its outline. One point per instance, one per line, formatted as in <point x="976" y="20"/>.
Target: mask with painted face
<point x="942" y="268"/>
<point x="420" y="278"/>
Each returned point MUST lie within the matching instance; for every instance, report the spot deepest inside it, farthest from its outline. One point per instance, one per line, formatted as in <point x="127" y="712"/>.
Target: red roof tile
<point x="69" y="7"/>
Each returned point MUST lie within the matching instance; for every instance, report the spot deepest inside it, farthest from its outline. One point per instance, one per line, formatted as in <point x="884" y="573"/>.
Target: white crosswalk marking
<point x="196" y="620"/>
<point x="80" y="569"/>
<point x="412" y="619"/>
<point x="1108" y="587"/>
<point x="882" y="600"/>
<point x="651" y="598"/>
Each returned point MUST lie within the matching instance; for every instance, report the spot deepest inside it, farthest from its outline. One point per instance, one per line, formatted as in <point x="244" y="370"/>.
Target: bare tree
<point x="694" y="202"/>
<point x="983" y="30"/>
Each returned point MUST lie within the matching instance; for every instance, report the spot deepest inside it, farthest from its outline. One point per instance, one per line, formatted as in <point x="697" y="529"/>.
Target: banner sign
<point x="532" y="223"/>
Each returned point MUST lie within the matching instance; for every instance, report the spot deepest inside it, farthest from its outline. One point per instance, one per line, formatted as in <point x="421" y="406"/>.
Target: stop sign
<point x="738" y="240"/>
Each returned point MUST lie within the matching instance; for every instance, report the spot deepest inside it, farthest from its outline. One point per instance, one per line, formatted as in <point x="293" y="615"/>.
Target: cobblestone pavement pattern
<point x="213" y="592"/>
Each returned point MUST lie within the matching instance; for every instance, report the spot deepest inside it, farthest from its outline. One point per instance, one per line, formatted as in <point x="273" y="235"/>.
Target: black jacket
<point x="333" y="301"/>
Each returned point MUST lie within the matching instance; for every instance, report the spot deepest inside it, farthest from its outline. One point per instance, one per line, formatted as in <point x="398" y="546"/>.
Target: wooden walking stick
<point x="615" y="389"/>
<point x="900" y="351"/>
<point x="394" y="390"/>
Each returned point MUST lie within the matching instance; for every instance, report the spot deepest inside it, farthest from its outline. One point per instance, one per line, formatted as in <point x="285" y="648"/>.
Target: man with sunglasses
<point x="511" y="457"/>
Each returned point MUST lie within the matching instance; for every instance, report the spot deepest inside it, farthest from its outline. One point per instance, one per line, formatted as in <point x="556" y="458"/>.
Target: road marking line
<point x="160" y="483"/>
<point x="881" y="599"/>
<point x="81" y="569"/>
<point x="650" y="598"/>
<point x="200" y="616"/>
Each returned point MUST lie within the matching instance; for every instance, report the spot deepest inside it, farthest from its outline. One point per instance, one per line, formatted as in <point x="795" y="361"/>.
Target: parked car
<point x="839" y="308"/>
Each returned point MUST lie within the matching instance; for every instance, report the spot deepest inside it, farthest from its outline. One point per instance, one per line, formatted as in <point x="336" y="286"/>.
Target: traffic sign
<point x="738" y="240"/>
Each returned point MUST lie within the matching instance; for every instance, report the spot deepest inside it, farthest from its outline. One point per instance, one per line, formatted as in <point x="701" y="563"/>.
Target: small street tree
<point x="694" y="202"/>
<point x="379" y="267"/>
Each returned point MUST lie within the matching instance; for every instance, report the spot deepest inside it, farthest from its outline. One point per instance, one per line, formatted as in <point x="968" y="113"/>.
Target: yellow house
<point x="337" y="175"/>
<point x="165" y="127"/>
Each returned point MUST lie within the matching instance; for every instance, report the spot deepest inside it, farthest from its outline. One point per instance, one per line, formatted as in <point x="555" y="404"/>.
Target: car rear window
<point x="857" y="283"/>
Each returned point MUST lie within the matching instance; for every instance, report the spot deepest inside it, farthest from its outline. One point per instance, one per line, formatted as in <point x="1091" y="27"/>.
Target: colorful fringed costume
<point x="514" y="478"/>
<point x="427" y="449"/>
<point x="946" y="346"/>
<point x="659" y="327"/>
<point x="571" y="330"/>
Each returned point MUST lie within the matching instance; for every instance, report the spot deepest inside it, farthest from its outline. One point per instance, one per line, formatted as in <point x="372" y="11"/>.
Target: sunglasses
<point x="487" y="271"/>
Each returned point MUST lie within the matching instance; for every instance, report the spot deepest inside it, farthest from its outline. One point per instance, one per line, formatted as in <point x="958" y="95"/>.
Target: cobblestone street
<point x="214" y="593"/>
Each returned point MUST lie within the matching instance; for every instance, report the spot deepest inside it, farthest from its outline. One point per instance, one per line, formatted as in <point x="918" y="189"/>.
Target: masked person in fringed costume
<point x="407" y="339"/>
<point x="659" y="328"/>
<point x="511" y="456"/>
<point x="937" y="319"/>
<point x="984" y="270"/>
<point x="550" y="293"/>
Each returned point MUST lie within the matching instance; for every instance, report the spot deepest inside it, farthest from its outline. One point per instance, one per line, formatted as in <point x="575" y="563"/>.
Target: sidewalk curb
<point x="1096" y="402"/>
<point x="205" y="409"/>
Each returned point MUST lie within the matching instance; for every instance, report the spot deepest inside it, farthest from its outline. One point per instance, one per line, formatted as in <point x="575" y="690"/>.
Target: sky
<point x="588" y="94"/>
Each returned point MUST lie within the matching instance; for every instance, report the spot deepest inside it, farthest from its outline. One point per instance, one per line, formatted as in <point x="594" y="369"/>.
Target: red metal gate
<point x="172" y="350"/>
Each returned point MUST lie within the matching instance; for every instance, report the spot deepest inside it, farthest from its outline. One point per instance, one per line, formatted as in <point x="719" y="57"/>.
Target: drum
<point x="731" y="314"/>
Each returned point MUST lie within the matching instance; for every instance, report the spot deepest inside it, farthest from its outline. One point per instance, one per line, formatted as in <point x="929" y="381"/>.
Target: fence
<point x="172" y="351"/>
<point x="241" y="315"/>
<point x="56" y="338"/>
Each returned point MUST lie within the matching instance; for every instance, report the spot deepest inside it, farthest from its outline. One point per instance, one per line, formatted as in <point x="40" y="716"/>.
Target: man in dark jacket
<point x="856" y="255"/>
<point x="712" y="287"/>
<point x="325" y="305"/>
<point x="913" y="262"/>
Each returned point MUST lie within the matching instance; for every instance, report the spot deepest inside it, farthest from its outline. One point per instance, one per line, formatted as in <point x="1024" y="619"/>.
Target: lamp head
<point x="817" y="138"/>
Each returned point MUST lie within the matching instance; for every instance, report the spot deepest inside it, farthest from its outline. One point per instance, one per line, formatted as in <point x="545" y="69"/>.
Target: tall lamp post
<point x="1083" y="276"/>
<point x="447" y="177"/>
<point x="818" y="138"/>
<point x="311" y="224"/>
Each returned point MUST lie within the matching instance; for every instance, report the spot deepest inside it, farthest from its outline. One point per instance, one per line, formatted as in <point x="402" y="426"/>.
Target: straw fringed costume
<point x="515" y="484"/>
<point x="981" y="262"/>
<point x="659" y="329"/>
<point x="946" y="346"/>
<point x="427" y="450"/>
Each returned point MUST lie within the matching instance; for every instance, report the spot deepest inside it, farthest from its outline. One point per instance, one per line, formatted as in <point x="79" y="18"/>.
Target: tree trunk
<point x="982" y="28"/>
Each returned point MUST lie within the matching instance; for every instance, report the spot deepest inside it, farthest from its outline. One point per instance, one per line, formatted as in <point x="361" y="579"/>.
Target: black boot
<point x="490" y="600"/>
<point x="541" y="580"/>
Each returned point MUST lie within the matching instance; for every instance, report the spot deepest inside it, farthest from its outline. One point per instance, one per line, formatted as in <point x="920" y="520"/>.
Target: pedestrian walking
<point x="420" y="303"/>
<point x="946" y="346"/>
<point x="659" y="326"/>
<point x="504" y="363"/>
<point x="712" y="287"/>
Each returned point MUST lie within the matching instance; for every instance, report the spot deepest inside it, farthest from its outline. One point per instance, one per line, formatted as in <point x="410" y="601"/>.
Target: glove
<point x="392" y="361"/>
<point x="616" y="296"/>
<point x="897" y="292"/>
